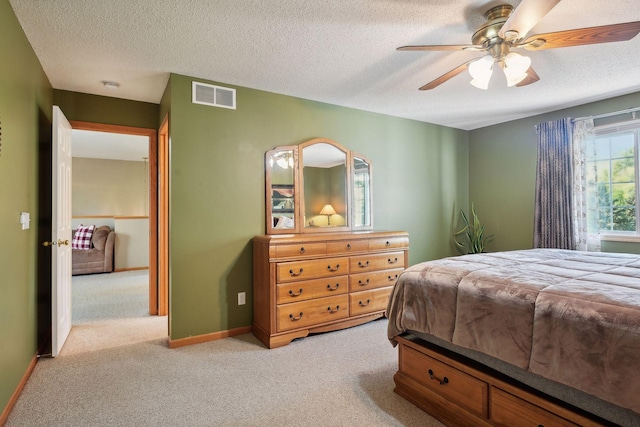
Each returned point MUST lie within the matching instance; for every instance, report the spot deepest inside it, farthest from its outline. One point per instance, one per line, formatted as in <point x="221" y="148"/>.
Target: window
<point x="612" y="179"/>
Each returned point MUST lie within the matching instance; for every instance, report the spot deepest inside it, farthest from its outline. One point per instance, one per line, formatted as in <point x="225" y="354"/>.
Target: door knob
<point x="60" y="242"/>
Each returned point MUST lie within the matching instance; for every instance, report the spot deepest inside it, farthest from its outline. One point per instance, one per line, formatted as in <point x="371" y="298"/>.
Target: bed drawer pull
<point x="333" y="289"/>
<point x="392" y="278"/>
<point x="392" y="262"/>
<point x="330" y="310"/>
<point x="295" y="319"/>
<point x="443" y="381"/>
<point x="294" y="294"/>
<point x="361" y="283"/>
<point x="361" y="265"/>
<point x="296" y="274"/>
<point x="363" y="304"/>
<point x="333" y="269"/>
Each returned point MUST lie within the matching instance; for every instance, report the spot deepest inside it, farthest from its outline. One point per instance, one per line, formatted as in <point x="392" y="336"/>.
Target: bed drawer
<point x="310" y="313"/>
<point x="312" y="269"/>
<point x="452" y="384"/>
<point x="309" y="289"/>
<point x="369" y="301"/>
<point x="373" y="262"/>
<point x="508" y="410"/>
<point x="377" y="279"/>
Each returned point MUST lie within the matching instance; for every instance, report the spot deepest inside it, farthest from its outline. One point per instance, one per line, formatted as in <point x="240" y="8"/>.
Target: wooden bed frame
<point x="461" y="392"/>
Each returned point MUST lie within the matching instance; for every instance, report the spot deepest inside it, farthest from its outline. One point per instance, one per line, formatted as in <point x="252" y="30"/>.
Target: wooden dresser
<point x="306" y="283"/>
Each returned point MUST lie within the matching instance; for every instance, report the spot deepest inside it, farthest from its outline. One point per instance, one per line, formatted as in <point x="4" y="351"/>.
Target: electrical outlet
<point x="242" y="298"/>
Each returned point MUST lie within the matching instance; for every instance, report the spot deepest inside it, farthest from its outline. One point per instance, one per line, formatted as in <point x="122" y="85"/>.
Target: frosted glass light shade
<point x="515" y="68"/>
<point x="481" y="71"/>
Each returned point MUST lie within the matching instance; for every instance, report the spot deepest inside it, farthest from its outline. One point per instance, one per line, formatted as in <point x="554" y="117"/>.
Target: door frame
<point x="154" y="285"/>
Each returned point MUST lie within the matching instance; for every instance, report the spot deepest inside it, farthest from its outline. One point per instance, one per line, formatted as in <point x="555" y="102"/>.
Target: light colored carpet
<point x="120" y="376"/>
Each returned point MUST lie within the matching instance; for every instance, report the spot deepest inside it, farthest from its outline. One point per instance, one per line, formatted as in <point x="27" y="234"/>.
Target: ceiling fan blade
<point x="443" y="47"/>
<point x="583" y="36"/>
<point x="532" y="77"/>
<point x="446" y="76"/>
<point x="525" y="17"/>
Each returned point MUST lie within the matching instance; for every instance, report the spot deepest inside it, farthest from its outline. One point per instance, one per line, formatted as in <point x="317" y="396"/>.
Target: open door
<point x="60" y="232"/>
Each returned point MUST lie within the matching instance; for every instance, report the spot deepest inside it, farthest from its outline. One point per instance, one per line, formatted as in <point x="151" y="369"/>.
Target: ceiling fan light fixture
<point x="481" y="71"/>
<point x="515" y="68"/>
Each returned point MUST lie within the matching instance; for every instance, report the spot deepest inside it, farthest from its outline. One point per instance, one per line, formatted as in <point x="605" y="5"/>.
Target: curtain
<point x="553" y="227"/>
<point x="583" y="240"/>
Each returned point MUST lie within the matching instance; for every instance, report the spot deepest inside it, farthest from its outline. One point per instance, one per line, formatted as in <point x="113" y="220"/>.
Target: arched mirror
<point x="325" y="186"/>
<point x="317" y="186"/>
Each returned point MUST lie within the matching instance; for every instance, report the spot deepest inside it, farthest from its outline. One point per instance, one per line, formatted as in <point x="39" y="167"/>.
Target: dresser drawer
<point x="347" y="246"/>
<point x="369" y="301"/>
<point x="373" y="262"/>
<point x="372" y="280"/>
<point x="450" y="383"/>
<point x="388" y="243"/>
<point x="310" y="313"/>
<point x="312" y="269"/>
<point x="302" y="249"/>
<point x="309" y="289"/>
<point x="508" y="410"/>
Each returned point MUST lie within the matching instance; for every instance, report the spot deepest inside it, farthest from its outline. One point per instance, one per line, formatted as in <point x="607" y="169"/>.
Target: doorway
<point x="151" y="134"/>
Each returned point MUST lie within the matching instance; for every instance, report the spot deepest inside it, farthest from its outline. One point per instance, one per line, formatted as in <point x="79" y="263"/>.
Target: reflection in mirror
<point x="282" y="189"/>
<point x="325" y="182"/>
<point x="361" y="203"/>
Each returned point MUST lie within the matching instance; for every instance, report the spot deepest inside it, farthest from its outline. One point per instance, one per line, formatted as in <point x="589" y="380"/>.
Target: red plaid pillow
<point x="82" y="238"/>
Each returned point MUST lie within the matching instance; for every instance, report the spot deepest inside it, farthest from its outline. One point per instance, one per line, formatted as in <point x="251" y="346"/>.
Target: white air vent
<point x="215" y="96"/>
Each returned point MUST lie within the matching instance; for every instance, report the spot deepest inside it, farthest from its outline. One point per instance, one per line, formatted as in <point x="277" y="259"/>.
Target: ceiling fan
<point x="506" y="28"/>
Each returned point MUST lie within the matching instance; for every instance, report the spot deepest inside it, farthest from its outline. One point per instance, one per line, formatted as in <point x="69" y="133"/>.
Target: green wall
<point x="107" y="110"/>
<point x="217" y="189"/>
<point x="502" y="165"/>
<point x="25" y="101"/>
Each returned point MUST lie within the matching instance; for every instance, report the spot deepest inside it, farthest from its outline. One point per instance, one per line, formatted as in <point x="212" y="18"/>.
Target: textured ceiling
<point x="336" y="51"/>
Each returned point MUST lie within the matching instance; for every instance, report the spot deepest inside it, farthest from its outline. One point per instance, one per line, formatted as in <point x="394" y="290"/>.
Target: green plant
<point x="474" y="233"/>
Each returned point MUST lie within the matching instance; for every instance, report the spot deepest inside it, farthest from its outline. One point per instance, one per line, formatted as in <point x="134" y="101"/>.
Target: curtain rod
<point x="615" y="113"/>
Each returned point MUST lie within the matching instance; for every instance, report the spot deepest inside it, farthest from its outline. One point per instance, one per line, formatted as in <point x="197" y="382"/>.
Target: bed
<point x="562" y="324"/>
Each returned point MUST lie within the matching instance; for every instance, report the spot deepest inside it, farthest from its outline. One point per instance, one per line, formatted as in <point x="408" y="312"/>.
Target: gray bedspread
<point x="572" y="317"/>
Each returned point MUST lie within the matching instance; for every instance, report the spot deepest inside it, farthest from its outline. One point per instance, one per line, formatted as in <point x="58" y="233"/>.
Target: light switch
<point x="25" y="219"/>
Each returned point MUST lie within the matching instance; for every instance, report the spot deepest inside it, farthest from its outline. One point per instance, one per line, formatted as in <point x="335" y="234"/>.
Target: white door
<point x="61" y="231"/>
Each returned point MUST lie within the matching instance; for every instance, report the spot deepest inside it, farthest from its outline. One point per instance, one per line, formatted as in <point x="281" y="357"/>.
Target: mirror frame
<point x="298" y="190"/>
<point x="370" y="198"/>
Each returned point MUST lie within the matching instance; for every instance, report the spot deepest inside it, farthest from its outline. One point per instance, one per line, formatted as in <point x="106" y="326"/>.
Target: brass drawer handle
<point x="392" y="262"/>
<point x="333" y="269"/>
<point x="302" y="249"/>
<point x="387" y="243"/>
<point x="361" y="265"/>
<point x="348" y="246"/>
<point x="333" y="289"/>
<point x="296" y="274"/>
<point x="361" y="283"/>
<point x="362" y="304"/>
<point x="293" y="294"/>
<point x="295" y="319"/>
<point x="330" y="310"/>
<point x="443" y="381"/>
<point x="392" y="278"/>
